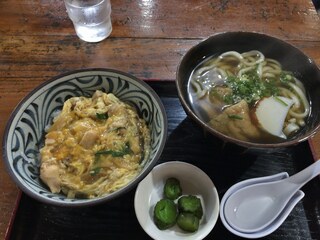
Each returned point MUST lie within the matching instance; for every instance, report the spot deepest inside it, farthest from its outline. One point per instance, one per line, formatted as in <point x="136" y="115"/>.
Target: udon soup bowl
<point x="25" y="131"/>
<point x="291" y="59"/>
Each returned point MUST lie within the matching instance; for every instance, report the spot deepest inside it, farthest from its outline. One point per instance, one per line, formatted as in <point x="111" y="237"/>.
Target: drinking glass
<point x="91" y="18"/>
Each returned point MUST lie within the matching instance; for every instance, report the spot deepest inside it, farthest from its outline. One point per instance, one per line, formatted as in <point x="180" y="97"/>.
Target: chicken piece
<point x="235" y="121"/>
<point x="49" y="173"/>
<point x="97" y="94"/>
<point x="89" y="139"/>
<point x="64" y="118"/>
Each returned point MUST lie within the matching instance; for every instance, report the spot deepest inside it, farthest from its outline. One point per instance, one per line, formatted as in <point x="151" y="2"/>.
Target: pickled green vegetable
<point x="165" y="214"/>
<point x="190" y="204"/>
<point x="187" y="213"/>
<point x="188" y="222"/>
<point x="172" y="189"/>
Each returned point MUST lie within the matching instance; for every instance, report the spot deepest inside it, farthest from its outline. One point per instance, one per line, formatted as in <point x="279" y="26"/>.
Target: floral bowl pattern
<point x="25" y="131"/>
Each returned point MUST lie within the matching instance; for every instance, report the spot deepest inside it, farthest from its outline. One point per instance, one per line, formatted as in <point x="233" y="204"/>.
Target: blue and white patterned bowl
<point x="25" y="131"/>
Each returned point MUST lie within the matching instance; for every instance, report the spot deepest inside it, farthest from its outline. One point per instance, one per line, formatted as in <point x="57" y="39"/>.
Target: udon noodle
<point x="242" y="80"/>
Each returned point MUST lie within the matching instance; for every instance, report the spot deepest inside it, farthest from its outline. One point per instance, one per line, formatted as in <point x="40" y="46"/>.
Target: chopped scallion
<point x="280" y="101"/>
<point x="95" y="171"/>
<point x="102" y="116"/>
<point x="234" y="116"/>
<point x="116" y="153"/>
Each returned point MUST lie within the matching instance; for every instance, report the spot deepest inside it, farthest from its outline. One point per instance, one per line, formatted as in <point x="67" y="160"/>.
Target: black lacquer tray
<point x="226" y="164"/>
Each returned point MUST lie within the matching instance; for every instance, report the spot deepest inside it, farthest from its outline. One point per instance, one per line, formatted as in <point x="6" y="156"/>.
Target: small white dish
<point x="193" y="181"/>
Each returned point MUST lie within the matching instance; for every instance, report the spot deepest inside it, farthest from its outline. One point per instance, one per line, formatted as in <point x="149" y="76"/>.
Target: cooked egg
<point x="94" y="146"/>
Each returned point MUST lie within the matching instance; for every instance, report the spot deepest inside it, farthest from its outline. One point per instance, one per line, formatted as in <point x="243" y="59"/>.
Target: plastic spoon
<point x="252" y="208"/>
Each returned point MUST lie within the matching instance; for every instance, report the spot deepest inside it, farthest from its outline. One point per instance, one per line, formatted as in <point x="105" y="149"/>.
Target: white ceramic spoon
<point x="274" y="225"/>
<point x="277" y="222"/>
<point x="252" y="208"/>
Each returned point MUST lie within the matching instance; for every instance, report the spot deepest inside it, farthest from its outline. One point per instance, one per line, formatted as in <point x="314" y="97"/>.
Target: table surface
<point x="149" y="37"/>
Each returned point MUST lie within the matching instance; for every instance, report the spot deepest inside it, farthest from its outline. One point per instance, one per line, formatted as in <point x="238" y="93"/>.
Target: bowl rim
<point x="222" y="136"/>
<point x="93" y="201"/>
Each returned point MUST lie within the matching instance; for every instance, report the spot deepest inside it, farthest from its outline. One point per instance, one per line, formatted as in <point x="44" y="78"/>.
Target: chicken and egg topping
<point x="94" y="147"/>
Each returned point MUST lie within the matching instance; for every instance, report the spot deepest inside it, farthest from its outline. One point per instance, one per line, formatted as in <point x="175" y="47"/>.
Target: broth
<point x="249" y="97"/>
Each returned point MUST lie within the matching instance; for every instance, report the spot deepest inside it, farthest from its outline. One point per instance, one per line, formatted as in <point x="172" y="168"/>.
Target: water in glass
<point x="91" y="19"/>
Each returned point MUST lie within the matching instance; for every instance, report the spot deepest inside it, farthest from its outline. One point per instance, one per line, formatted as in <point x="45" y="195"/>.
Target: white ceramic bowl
<point x="194" y="182"/>
<point x="24" y="134"/>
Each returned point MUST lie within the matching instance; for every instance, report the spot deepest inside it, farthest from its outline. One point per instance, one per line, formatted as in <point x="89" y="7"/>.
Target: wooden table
<point x="149" y="37"/>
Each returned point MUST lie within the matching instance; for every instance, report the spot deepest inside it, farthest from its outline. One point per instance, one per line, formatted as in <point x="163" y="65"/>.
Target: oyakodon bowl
<point x="25" y="131"/>
<point x="291" y="59"/>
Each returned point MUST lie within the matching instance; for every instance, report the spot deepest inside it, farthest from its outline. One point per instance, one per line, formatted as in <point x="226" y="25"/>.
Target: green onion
<point x="95" y="171"/>
<point x="249" y="87"/>
<point x="234" y="116"/>
<point x="102" y="116"/>
<point x="124" y="151"/>
<point x="286" y="77"/>
<point x="281" y="101"/>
